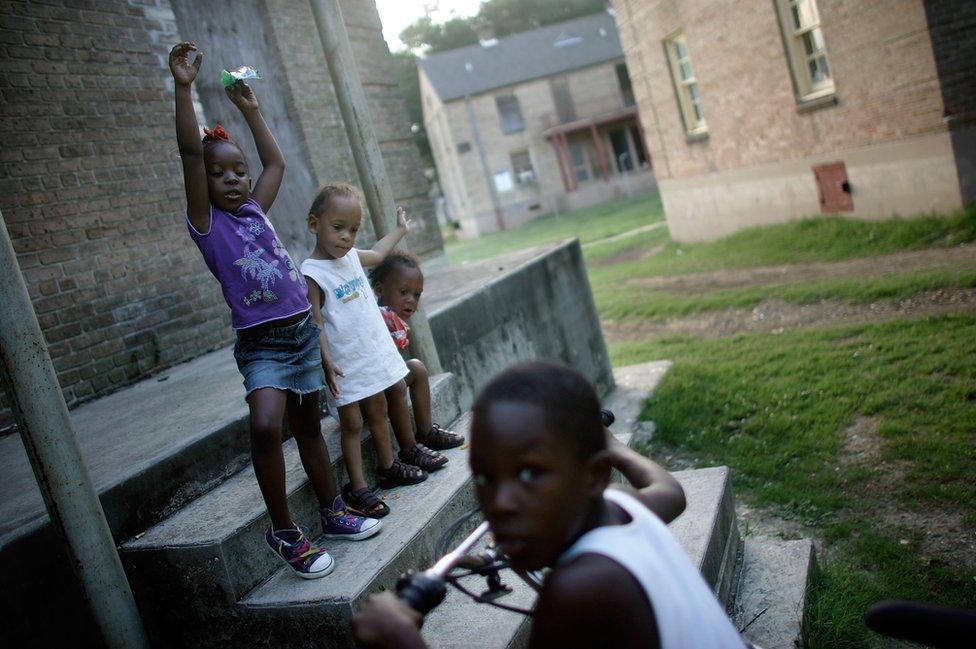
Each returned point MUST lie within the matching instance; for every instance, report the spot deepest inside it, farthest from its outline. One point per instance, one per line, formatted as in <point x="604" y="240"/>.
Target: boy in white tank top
<point x="541" y="461"/>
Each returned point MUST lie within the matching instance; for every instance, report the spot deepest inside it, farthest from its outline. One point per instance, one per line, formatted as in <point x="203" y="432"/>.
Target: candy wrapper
<point x="239" y="74"/>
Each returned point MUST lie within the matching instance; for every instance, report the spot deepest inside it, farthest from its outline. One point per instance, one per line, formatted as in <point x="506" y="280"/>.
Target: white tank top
<point x="687" y="614"/>
<point x="359" y="342"/>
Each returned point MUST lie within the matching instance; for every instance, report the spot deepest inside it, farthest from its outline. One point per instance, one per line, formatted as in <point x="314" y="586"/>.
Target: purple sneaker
<point x="339" y="523"/>
<point x="308" y="561"/>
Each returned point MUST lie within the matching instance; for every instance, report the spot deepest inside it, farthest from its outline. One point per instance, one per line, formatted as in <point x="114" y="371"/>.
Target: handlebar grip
<point x="420" y="592"/>
<point x="607" y="417"/>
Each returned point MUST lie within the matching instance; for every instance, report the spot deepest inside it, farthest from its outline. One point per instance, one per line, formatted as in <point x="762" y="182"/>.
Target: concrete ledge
<point x="531" y="304"/>
<point x="776" y="576"/>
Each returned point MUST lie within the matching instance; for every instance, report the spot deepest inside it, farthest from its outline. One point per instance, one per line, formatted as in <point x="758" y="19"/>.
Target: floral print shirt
<point x="257" y="276"/>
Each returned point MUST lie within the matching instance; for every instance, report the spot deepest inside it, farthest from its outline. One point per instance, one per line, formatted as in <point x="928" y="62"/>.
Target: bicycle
<point x="424" y="591"/>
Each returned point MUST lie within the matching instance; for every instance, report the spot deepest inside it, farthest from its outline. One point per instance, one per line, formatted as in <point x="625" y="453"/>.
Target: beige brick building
<point x="532" y="123"/>
<point x="760" y="111"/>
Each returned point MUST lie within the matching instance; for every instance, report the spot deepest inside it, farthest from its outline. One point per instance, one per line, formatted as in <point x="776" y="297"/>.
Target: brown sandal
<point x="400" y="474"/>
<point x="420" y="456"/>
<point x="441" y="439"/>
<point x="364" y="502"/>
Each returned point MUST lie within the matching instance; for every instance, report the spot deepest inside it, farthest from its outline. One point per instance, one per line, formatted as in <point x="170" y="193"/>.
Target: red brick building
<point x="761" y="111"/>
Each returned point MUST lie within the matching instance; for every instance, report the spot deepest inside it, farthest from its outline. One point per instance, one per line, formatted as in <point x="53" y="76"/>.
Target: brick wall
<point x="952" y="24"/>
<point x="880" y="56"/>
<point x="91" y="187"/>
<point x="91" y="192"/>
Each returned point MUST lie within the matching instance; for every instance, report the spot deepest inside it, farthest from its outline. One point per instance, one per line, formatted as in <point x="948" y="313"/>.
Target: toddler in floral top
<point x="398" y="283"/>
<point x="277" y="349"/>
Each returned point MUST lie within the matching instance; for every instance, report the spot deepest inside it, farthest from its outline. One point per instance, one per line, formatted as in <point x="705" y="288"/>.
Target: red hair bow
<point x="218" y="133"/>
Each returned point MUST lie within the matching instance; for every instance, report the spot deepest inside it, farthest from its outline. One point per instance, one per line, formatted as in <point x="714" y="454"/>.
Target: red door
<point x="833" y="188"/>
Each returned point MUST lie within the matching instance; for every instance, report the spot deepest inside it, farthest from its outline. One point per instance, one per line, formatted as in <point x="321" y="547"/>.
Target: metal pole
<point x="49" y="437"/>
<point x="366" y="151"/>
<point x="483" y="158"/>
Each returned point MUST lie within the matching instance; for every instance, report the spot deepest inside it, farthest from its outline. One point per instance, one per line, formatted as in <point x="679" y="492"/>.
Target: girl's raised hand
<point x="242" y="96"/>
<point x="402" y="222"/>
<point x="184" y="72"/>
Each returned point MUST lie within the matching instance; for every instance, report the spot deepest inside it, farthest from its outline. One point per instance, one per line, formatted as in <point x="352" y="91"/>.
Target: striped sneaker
<point x="294" y="548"/>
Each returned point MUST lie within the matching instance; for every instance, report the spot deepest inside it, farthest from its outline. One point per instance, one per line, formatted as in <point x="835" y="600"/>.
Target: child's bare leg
<point x="399" y="412"/>
<point x="379" y="426"/>
<point x="304" y="419"/>
<point x="267" y="407"/>
<point x="350" y="430"/>
<point x="419" y="383"/>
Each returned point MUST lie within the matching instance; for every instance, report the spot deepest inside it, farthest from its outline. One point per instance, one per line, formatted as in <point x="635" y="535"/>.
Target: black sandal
<point x="399" y="474"/>
<point x="364" y="502"/>
<point x="420" y="456"/>
<point x="441" y="439"/>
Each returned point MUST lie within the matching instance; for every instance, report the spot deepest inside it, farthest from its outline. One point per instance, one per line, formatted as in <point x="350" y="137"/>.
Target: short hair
<point x="570" y="404"/>
<point x="330" y="191"/>
<point x="381" y="272"/>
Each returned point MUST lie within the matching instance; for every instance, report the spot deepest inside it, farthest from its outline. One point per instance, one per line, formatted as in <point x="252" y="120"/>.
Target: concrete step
<point x="211" y="551"/>
<point x="773" y="586"/>
<point x="302" y="612"/>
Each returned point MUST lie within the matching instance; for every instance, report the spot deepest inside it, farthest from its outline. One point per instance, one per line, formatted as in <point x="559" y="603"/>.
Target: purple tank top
<point x="259" y="280"/>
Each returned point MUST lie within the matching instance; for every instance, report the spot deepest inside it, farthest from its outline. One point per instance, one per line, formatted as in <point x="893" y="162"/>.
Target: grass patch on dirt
<point x="808" y="240"/>
<point x="589" y="224"/>
<point x="634" y="302"/>
<point x="775" y="407"/>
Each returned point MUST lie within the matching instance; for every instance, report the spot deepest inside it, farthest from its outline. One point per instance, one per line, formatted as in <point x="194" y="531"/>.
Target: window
<point x="805" y="49"/>
<point x="581" y="165"/>
<point x="626" y="88"/>
<point x="563" y="100"/>
<point x="510" y="113"/>
<point x="503" y="182"/>
<point x="685" y="84"/>
<point x="463" y="147"/>
<point x="522" y="167"/>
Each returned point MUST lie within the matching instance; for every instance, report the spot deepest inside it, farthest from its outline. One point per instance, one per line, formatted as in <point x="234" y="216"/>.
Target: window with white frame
<point x="685" y="84"/>
<point x="522" y="167"/>
<point x="805" y="49"/>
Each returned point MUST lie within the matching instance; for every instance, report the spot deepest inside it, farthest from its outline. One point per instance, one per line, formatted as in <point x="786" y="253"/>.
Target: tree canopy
<point x="495" y="18"/>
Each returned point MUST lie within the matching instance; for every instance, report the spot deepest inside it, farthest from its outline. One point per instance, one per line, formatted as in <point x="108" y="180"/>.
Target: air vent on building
<point x="833" y="188"/>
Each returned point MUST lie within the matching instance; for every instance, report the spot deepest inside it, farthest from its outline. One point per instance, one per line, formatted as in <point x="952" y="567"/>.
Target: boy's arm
<point x="384" y="622"/>
<point x="272" y="161"/>
<point x="188" y="136"/>
<point x="652" y="484"/>
<point x="593" y="602"/>
<point x="315" y="298"/>
<point x="384" y="246"/>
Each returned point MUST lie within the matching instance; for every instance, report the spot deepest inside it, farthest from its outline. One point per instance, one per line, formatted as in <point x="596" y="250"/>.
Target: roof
<point x="542" y="52"/>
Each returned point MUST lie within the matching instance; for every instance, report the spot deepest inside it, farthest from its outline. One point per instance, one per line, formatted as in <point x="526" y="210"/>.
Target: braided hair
<point x="218" y="134"/>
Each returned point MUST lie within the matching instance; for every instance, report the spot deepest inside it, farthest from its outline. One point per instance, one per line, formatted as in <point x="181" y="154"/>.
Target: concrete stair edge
<point x="227" y="560"/>
<point x="773" y="589"/>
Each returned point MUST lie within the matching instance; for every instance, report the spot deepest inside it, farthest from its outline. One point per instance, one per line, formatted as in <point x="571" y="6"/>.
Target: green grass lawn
<point x="775" y="408"/>
<point x="589" y="224"/>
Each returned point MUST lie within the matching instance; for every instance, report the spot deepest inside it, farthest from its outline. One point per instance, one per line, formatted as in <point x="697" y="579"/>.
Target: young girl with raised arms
<point x="277" y="349"/>
<point x="362" y="366"/>
<point x="398" y="284"/>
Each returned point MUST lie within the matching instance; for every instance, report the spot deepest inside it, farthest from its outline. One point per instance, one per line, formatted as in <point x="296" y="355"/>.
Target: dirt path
<point x="775" y="315"/>
<point x="901" y="262"/>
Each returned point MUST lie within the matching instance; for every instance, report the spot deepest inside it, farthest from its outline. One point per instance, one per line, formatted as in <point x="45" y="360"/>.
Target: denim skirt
<point x="286" y="358"/>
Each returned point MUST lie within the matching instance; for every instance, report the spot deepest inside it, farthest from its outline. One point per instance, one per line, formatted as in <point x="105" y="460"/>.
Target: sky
<point x="397" y="14"/>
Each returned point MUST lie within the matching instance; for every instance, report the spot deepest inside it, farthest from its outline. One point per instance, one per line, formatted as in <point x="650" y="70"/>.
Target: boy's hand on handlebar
<point x="384" y="622"/>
